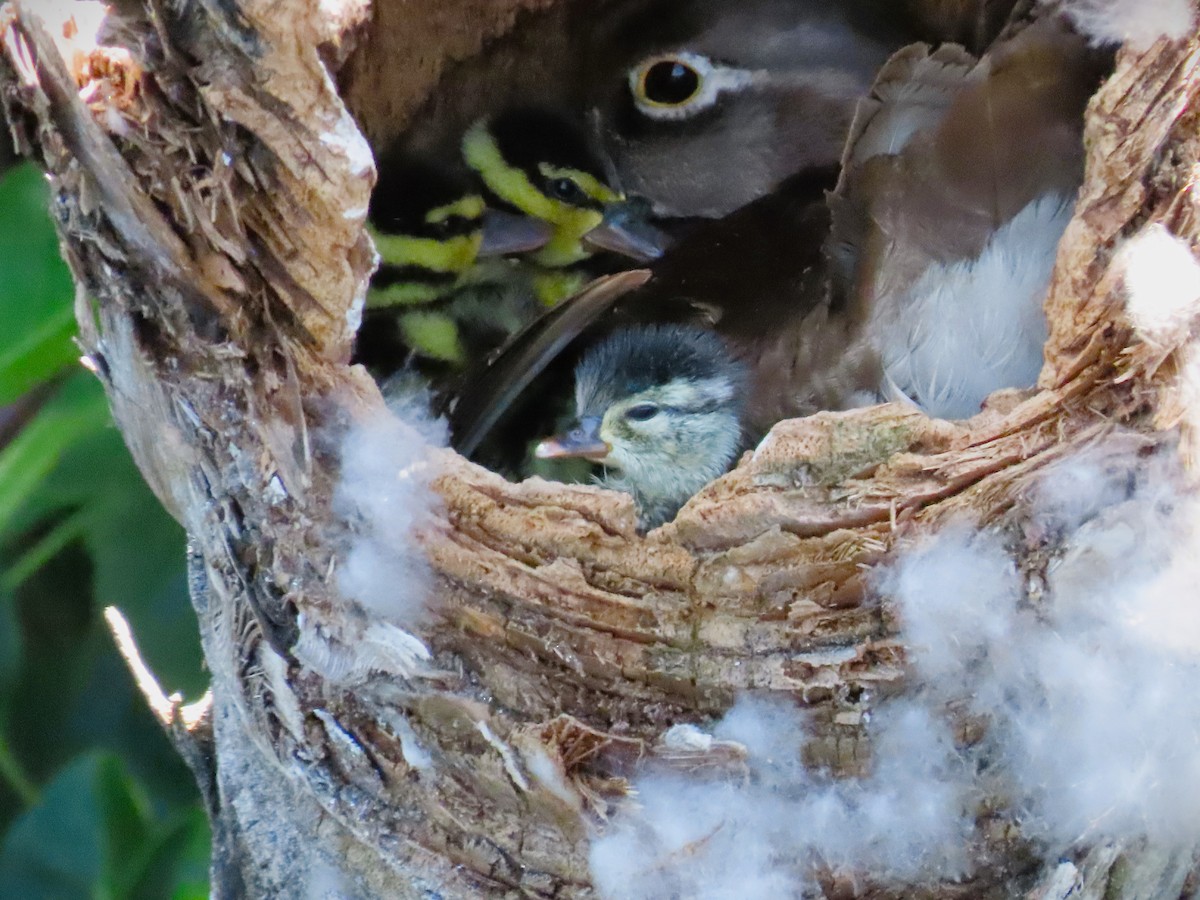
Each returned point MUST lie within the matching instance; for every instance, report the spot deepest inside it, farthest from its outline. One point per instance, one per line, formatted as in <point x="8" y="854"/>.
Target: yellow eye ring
<point x="679" y="85"/>
<point x="668" y="81"/>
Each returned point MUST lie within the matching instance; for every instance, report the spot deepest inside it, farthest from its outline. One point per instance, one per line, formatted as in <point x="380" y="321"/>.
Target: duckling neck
<point x="660" y="493"/>
<point x="656" y="504"/>
<point x="565" y="247"/>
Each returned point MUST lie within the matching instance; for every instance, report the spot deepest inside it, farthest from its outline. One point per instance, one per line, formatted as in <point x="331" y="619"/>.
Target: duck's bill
<point x="506" y="233"/>
<point x="582" y="442"/>
<point x="626" y="231"/>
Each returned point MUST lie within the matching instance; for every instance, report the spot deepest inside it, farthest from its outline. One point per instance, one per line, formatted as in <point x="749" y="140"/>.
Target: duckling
<point x="449" y="298"/>
<point x="924" y="282"/>
<point x="538" y="163"/>
<point x="433" y="300"/>
<point x="756" y="278"/>
<point x="659" y="408"/>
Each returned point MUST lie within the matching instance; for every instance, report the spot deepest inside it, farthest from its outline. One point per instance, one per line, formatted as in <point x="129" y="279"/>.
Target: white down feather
<point x="965" y="330"/>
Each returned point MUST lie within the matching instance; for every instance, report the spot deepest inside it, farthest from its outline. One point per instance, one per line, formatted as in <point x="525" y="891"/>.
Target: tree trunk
<point x="211" y="188"/>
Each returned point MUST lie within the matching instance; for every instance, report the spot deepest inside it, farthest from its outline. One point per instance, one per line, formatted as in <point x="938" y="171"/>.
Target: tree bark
<point x="212" y="186"/>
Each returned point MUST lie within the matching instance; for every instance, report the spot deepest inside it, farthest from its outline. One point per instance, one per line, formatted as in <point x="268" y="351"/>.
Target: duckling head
<point x="540" y="163"/>
<point x="659" y="407"/>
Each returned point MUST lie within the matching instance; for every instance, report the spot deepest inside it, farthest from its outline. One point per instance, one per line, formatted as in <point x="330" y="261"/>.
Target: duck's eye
<point x="567" y="191"/>
<point x="641" y="412"/>
<point x="670" y="82"/>
<point x="678" y="85"/>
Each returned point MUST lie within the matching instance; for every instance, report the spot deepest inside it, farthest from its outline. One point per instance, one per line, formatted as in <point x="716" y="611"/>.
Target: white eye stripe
<point x="714" y="79"/>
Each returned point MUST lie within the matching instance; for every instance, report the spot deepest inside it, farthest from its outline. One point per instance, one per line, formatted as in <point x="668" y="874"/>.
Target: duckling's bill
<point x="581" y="442"/>
<point x="627" y="231"/>
<point x="506" y="233"/>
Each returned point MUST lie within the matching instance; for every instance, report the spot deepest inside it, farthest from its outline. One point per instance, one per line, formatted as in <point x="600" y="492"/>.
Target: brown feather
<point x="1009" y="134"/>
<point x="944" y="152"/>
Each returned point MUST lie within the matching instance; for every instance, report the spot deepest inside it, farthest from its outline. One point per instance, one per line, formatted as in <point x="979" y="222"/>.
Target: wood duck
<point x="960" y="180"/>
<point x="921" y="277"/>
<point x="539" y="164"/>
<point x="669" y="87"/>
<point x="659" y="407"/>
<point x="433" y="300"/>
<point x="706" y="105"/>
<point x="443" y="295"/>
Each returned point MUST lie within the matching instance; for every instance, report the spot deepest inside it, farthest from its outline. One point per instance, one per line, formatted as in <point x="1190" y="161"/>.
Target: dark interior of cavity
<point x="583" y="66"/>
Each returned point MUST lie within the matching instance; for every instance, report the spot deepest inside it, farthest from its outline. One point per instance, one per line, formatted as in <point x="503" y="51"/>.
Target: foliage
<point x="93" y="800"/>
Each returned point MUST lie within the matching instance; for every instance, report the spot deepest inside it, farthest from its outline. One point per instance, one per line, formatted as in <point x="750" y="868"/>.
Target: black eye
<point x="669" y="82"/>
<point x="567" y="191"/>
<point x="641" y="412"/>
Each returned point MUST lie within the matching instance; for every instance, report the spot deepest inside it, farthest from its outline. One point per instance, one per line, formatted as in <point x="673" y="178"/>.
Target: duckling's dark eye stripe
<point x="711" y="406"/>
<point x="583" y="201"/>
<point x="451" y="226"/>
<point x="582" y="182"/>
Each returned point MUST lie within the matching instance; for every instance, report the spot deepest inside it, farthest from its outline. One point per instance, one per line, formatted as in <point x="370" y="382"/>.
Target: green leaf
<point x="36" y="293"/>
<point x="77" y="410"/>
<point x="126" y="826"/>
<point x="93" y="836"/>
<point x="178" y="865"/>
<point x="38" y="357"/>
<point x="10" y="642"/>
<point x="14" y="776"/>
<point x="57" y="651"/>
<point x="45" y="549"/>
<point x="62" y="847"/>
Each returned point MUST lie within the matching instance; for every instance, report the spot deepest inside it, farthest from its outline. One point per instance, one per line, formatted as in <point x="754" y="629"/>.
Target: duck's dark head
<point x="659" y="407"/>
<point x="706" y="105"/>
